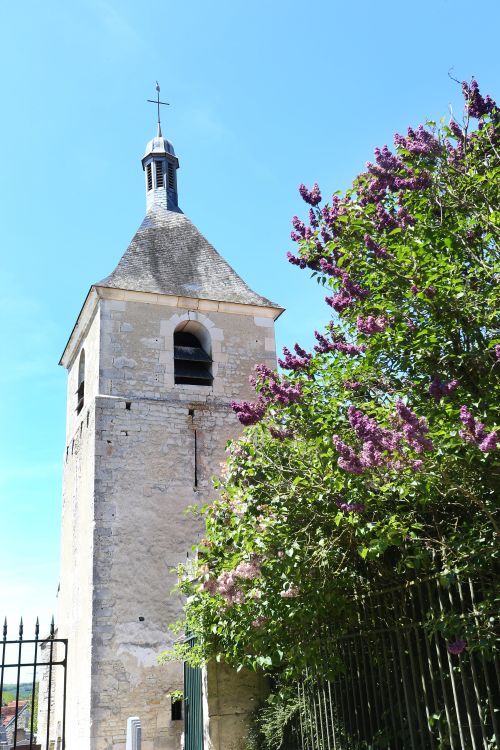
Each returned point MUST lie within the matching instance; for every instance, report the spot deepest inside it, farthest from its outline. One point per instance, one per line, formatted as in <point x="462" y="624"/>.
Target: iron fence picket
<point x="399" y="687"/>
<point x="13" y="657"/>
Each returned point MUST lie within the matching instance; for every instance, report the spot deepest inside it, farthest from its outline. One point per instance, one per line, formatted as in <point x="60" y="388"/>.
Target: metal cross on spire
<point x="158" y="102"/>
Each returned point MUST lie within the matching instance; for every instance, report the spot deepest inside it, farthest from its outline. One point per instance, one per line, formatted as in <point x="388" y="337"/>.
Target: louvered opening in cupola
<point x="192" y="364"/>
<point x="159" y="174"/>
<point x="149" y="176"/>
<point x="171" y="176"/>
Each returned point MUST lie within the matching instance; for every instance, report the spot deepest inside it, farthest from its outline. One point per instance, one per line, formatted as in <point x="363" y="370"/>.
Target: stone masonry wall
<point x="76" y="577"/>
<point x="138" y="478"/>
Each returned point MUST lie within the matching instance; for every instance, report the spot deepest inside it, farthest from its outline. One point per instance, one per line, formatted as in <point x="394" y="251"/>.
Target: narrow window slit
<point x="128" y="404"/>
<point x="171" y="176"/>
<point x="195" y="459"/>
<point x="149" y="176"/>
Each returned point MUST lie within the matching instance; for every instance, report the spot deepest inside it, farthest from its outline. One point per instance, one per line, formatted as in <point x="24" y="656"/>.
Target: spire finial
<point x="158" y="102"/>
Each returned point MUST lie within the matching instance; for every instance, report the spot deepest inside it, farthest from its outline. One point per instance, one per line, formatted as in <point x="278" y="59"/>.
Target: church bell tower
<point x="159" y="350"/>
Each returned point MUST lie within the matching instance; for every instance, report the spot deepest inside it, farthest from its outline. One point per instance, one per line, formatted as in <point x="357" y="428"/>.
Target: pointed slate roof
<point x="169" y="255"/>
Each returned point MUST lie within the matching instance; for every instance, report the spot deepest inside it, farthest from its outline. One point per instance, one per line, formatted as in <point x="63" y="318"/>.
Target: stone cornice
<point x="97" y="292"/>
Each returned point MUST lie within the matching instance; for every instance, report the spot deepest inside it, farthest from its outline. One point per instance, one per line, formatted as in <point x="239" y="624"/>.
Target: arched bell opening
<point x="192" y="355"/>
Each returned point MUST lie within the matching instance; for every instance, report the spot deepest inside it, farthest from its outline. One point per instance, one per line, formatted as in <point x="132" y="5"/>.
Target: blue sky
<point x="264" y="95"/>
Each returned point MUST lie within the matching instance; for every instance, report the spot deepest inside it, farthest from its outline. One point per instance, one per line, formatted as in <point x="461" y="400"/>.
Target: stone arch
<point x="192" y="354"/>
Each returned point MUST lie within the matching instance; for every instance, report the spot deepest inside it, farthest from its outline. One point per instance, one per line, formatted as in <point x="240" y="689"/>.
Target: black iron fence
<point x="28" y="671"/>
<point x="418" y="673"/>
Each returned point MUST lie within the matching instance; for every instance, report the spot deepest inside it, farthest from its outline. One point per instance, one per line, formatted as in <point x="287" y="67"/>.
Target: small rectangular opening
<point x="171" y="176"/>
<point x="176" y="709"/>
<point x="149" y="176"/>
<point x="128" y="404"/>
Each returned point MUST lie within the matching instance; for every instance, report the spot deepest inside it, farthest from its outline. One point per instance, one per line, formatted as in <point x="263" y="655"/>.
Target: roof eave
<point x="98" y="291"/>
<point x="84" y="318"/>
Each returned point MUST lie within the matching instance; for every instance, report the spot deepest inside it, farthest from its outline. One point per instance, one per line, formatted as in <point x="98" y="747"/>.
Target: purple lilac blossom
<point x="489" y="443"/>
<point x="313" y="219"/>
<point x="414" y="428"/>
<point x="384" y="219"/>
<point x="475" y="432"/>
<point x="371" y="324"/>
<point x="418" y="142"/>
<point x="313" y="196"/>
<point x="475" y="105"/>
<point x="340" y="301"/>
<point x="300" y="361"/>
<point x="456" y="130"/>
<point x="456" y="647"/>
<point x="247" y="412"/>
<point x="437" y="389"/>
<point x="367" y="429"/>
<point x="378" y="250"/>
<point x="350" y="507"/>
<point x="328" y="267"/>
<point x="349" y="460"/>
<point x="280" y="434"/>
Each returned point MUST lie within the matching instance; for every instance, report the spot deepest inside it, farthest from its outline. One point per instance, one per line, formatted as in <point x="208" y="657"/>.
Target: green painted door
<point x="193" y="707"/>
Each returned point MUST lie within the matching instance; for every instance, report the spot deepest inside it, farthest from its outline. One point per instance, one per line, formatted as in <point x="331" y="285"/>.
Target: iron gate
<point x="193" y="706"/>
<point x="27" y="689"/>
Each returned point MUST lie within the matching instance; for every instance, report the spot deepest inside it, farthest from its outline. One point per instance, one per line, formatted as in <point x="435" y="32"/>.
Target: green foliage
<point x="7" y="697"/>
<point x="374" y="472"/>
<point x="272" y="723"/>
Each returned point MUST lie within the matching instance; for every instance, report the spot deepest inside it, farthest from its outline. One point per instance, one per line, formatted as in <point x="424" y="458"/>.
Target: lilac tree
<point x="374" y="456"/>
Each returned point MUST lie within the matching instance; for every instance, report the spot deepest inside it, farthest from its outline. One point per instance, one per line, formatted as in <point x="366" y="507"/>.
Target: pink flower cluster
<point x="371" y="324"/>
<point x="475" y="432"/>
<point x="290" y="592"/>
<point x="259" y="621"/>
<point x="226" y="583"/>
<point x="437" y="389"/>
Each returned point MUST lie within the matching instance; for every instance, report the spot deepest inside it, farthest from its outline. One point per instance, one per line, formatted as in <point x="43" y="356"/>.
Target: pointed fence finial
<point x="158" y="102"/>
<point x="21" y="629"/>
<point x="5" y="628"/>
<point x="52" y="628"/>
<point x="37" y="629"/>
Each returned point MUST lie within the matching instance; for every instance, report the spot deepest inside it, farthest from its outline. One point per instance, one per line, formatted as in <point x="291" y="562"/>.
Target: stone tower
<point x="159" y="350"/>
